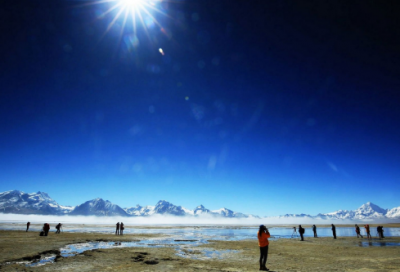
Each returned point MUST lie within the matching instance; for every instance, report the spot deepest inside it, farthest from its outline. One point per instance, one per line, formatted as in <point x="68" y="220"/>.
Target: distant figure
<point x="358" y="231"/>
<point x="294" y="234"/>
<point x="263" y="235"/>
<point x="27" y="226"/>
<point x="301" y="231"/>
<point x="58" y="227"/>
<point x="367" y="231"/>
<point x="46" y="228"/>
<point x="379" y="229"/>
<point x="334" y="231"/>
<point x="121" y="229"/>
<point x="314" y="229"/>
<point x="117" y="229"/>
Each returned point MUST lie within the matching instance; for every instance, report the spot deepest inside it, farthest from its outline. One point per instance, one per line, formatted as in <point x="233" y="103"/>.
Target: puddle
<point x="43" y="261"/>
<point x="183" y="248"/>
<point x="377" y="244"/>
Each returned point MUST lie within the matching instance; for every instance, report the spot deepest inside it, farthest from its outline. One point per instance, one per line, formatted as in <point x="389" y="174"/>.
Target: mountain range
<point x="19" y="202"/>
<point x="41" y="203"/>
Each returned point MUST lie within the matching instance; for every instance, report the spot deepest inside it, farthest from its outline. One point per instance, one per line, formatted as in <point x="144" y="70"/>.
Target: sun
<point x="130" y="15"/>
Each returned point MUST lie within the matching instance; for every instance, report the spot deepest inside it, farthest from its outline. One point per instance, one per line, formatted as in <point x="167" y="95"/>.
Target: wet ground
<point x="193" y="248"/>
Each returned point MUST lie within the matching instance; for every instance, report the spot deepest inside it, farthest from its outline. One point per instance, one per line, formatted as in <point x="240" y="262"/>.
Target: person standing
<point x="263" y="235"/>
<point x="314" y="229"/>
<point x="46" y="228"/>
<point x="121" y="229"/>
<point x="334" y="231"/>
<point x="301" y="231"/>
<point x="117" y="229"/>
<point x="382" y="232"/>
<point x="358" y="231"/>
<point x="27" y="226"/>
<point x="367" y="230"/>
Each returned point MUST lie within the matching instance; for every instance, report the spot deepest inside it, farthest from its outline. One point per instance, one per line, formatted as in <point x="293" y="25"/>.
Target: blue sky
<point x="270" y="108"/>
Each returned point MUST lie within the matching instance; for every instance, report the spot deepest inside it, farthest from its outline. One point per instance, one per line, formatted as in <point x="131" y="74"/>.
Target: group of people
<point x="119" y="229"/>
<point x="379" y="230"/>
<point x="45" y="228"/>
<point x="263" y="235"/>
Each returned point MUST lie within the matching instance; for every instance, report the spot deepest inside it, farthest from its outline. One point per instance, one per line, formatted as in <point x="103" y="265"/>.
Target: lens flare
<point x="130" y="14"/>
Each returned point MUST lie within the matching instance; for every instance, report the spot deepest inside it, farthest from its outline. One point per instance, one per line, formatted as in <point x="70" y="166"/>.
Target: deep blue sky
<point x="263" y="107"/>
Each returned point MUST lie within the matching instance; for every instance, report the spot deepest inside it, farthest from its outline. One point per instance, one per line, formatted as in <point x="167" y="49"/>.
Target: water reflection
<point x="379" y="244"/>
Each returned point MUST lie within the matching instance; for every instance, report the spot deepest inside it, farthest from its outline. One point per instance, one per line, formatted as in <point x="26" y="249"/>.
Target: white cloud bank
<point x="173" y="220"/>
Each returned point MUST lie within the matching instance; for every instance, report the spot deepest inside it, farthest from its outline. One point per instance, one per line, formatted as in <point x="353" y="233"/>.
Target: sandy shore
<point x="314" y="254"/>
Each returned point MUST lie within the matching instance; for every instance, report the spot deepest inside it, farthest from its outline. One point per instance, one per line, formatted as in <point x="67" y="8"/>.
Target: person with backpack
<point x="358" y="231"/>
<point x="263" y="235"/>
<point x="334" y="231"/>
<point x="301" y="231"/>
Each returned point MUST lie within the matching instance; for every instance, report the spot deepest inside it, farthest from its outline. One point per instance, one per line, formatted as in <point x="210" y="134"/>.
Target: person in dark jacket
<point x="46" y="228"/>
<point x="121" y="229"/>
<point x="314" y="229"/>
<point x="334" y="231"/>
<point x="301" y="231"/>
<point x="27" y="226"/>
<point x="117" y="229"/>
<point x="58" y="227"/>
<point x="358" y="231"/>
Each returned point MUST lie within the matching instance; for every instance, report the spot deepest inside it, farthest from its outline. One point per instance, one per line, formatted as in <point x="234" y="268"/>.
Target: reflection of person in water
<point x="27" y="226"/>
<point x="263" y="235"/>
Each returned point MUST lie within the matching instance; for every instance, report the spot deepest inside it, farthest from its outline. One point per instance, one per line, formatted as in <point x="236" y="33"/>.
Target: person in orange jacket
<point x="263" y="235"/>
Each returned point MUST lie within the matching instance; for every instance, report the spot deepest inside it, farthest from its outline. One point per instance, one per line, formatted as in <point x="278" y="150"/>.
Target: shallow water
<point x="208" y="232"/>
<point x="377" y="244"/>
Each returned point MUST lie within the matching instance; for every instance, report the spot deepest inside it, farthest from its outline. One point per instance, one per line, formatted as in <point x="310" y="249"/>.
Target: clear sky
<point x="263" y="107"/>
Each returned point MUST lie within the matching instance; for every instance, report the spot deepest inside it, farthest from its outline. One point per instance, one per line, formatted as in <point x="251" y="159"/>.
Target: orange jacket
<point x="263" y="240"/>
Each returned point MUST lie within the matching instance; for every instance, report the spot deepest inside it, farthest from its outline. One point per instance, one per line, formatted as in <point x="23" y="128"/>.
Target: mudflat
<point x="313" y="254"/>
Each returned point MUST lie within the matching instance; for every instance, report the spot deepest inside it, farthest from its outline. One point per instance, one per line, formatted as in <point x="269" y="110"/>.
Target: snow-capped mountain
<point x="41" y="203"/>
<point x="98" y="207"/>
<point x="165" y="207"/>
<point x="140" y="211"/>
<point x="366" y="211"/>
<point x="35" y="203"/>
<point x="201" y="210"/>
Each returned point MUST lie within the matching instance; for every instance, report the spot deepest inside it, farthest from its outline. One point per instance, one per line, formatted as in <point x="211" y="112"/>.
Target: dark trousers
<point x="263" y="255"/>
<point x="315" y="234"/>
<point x="334" y="234"/>
<point x="302" y="237"/>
